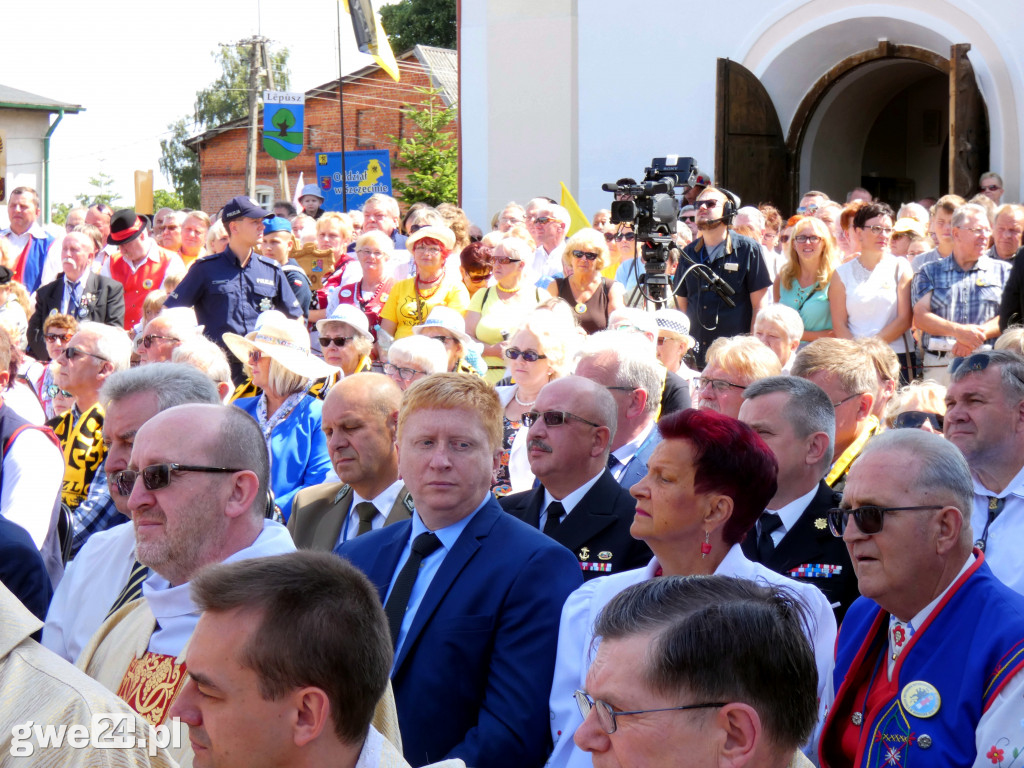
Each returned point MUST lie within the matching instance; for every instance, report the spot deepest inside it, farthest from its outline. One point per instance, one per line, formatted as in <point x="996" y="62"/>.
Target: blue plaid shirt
<point x="970" y="297"/>
<point x="96" y="512"/>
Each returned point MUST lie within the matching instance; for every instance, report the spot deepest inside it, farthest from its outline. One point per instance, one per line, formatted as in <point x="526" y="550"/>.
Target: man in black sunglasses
<point x="198" y="480"/>
<point x="578" y="503"/>
<point x="985" y="420"/>
<point x="928" y="661"/>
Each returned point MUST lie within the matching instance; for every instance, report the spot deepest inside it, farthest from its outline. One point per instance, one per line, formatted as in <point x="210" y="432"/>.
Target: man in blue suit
<point x="473" y="596"/>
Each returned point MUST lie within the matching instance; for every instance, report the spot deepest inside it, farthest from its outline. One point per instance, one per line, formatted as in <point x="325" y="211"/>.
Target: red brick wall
<point x="377" y="96"/>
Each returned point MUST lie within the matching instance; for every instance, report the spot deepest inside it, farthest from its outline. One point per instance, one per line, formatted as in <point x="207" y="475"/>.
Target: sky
<point x="135" y="68"/>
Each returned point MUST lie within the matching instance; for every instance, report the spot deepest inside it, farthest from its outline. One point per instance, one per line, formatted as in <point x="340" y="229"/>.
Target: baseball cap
<point x="276" y="224"/>
<point x="243" y="207"/>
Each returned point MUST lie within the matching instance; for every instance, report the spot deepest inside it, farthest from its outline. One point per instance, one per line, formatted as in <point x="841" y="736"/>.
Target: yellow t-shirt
<point x="405" y="309"/>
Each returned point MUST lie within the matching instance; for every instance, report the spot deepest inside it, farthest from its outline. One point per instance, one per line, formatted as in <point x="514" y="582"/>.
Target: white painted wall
<point x="588" y="91"/>
<point x="25" y="129"/>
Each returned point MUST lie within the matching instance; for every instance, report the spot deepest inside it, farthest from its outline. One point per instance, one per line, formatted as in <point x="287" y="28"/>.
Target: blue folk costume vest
<point x="29" y="267"/>
<point x="970" y="646"/>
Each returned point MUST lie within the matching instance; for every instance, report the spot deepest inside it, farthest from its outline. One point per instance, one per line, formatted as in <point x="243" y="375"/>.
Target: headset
<point x="731" y="205"/>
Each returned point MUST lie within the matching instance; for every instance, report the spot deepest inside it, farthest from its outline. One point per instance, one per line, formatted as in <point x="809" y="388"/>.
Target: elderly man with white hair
<point x="548" y="224"/>
<point x="167" y="331"/>
<point x="643" y="327"/>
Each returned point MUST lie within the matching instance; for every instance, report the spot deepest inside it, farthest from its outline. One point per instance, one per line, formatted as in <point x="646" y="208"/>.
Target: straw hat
<point x="282" y="339"/>
<point x="443" y="235"/>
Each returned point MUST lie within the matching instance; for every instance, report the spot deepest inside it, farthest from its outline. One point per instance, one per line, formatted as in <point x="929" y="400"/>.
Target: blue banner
<point x="367" y="171"/>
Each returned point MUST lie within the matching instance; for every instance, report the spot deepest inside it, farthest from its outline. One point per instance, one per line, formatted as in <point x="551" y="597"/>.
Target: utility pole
<point x="256" y="45"/>
<point x="282" y="169"/>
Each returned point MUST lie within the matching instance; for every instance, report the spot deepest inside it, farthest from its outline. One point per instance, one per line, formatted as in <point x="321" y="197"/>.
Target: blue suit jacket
<point x="473" y="677"/>
<point x="636" y="468"/>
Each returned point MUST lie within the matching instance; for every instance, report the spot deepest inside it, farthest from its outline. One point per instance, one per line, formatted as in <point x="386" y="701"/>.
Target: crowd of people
<point x="468" y="498"/>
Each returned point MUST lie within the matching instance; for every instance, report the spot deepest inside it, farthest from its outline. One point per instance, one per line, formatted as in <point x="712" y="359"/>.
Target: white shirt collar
<point x="574" y="498"/>
<point x="790" y="513"/>
<point x="625" y="453"/>
<point x="384" y="500"/>
<point x="1014" y="488"/>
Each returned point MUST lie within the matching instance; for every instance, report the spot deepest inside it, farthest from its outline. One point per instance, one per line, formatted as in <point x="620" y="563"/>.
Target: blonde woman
<point x="802" y="284"/>
<point x="592" y="297"/>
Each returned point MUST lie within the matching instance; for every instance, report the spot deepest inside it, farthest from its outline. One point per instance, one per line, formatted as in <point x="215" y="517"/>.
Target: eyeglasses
<point x="977" y="231"/>
<point x="552" y="418"/>
<point x="63" y="338"/>
<point x="505" y="261"/>
<point x="147" y="341"/>
<point x="878" y="229"/>
<point x="542" y="220"/>
<point x="812" y="239"/>
<point x="706" y="203"/>
<point x="338" y="341"/>
<point x="805" y="209"/>
<point x="606" y="715"/>
<point x="718" y="385"/>
<point x="915" y="419"/>
<point x="448" y="341"/>
<point x="479" y="278"/>
<point x="629" y="237"/>
<point x="609" y="237"/>
<point x="588" y="255"/>
<point x="70" y="353"/>
<point x="991" y="188"/>
<point x="366" y="252"/>
<point x="53" y="390"/>
<point x="847" y="399"/>
<point x="157" y="476"/>
<point x="413" y="229"/>
<point x="514" y="353"/>
<point x="622" y="389"/>
<point x="868" y="519"/>
<point x="430" y="250"/>
<point x="405" y="374"/>
<point x="255" y="356"/>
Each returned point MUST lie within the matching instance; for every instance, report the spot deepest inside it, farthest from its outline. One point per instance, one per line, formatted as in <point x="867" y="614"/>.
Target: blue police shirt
<point x="228" y="297"/>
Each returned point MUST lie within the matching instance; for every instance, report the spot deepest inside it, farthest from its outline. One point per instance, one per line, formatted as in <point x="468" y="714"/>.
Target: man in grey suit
<point x="631" y="373"/>
<point x="360" y="418"/>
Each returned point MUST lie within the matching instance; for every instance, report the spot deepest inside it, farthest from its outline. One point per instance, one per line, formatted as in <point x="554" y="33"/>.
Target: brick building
<point x="373" y="103"/>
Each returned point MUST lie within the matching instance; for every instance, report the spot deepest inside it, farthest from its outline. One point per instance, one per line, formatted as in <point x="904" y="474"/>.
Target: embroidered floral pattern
<point x="997" y="753"/>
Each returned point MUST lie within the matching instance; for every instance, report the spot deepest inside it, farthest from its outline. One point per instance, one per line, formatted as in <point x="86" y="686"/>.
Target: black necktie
<point x="366" y="512"/>
<point x="555" y="514"/>
<point x="765" y="546"/>
<point x="394" y="609"/>
<point x="995" y="506"/>
<point x="132" y="589"/>
<point x="612" y="461"/>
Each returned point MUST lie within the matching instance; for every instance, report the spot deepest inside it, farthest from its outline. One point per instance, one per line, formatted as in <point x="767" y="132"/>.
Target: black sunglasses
<point x="514" y="353"/>
<point x="72" y="352"/>
<point x="64" y="338"/>
<point x="147" y="341"/>
<point x="627" y="236"/>
<point x="868" y="519"/>
<point x="553" y="418"/>
<point x="914" y="420"/>
<point x="157" y="476"/>
<point x="589" y="256"/>
<point x="338" y="341"/>
<point x="979" y="361"/>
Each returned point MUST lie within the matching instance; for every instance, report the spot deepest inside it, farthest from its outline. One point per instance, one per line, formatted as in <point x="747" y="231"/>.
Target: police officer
<point x="229" y="290"/>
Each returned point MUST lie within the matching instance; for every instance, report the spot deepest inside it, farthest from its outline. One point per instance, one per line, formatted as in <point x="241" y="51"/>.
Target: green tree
<point x="164" y="199"/>
<point x="419" y="22"/>
<point x="59" y="213"/>
<point x="102" y="183"/>
<point x="431" y="154"/>
<point x="224" y="100"/>
<point x="284" y="121"/>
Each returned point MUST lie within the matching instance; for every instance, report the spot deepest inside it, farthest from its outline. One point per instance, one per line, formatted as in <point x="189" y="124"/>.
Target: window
<point x="265" y="196"/>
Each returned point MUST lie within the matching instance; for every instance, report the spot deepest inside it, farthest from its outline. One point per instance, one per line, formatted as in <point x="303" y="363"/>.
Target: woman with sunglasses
<point x="345" y="343"/>
<point x="58" y="331"/>
<point x="707" y="483"/>
<point x="500" y="307"/>
<point x="540" y="351"/>
<point x="434" y="283"/>
<point x="919" y="405"/>
<point x="802" y="283"/>
<point x="592" y="296"/>
<point x="277" y="358"/>
<point x="870" y="295"/>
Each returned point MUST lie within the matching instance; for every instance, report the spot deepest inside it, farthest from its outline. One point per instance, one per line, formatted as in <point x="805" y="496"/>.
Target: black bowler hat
<point x="125" y="226"/>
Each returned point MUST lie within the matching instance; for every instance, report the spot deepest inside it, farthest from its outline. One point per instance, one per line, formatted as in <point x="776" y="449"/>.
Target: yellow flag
<point x="578" y="220"/>
<point x="381" y="50"/>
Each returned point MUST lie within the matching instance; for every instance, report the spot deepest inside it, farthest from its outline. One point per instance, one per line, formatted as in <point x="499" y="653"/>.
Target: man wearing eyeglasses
<point x="991" y="185"/>
<point x="165" y="333"/>
<point x="702" y="672"/>
<point x="957" y="300"/>
<point x="578" y="503"/>
<point x="548" y="224"/>
<point x="733" y="258"/>
<point x="197" y="492"/>
<point x="928" y="660"/>
<point x="472" y="595"/>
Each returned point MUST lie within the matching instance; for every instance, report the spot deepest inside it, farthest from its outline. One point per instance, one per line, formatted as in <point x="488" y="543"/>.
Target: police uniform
<point x="228" y="297"/>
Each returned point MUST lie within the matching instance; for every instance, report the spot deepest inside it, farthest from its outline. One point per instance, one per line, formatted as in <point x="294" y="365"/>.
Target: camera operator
<point x="736" y="259"/>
